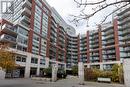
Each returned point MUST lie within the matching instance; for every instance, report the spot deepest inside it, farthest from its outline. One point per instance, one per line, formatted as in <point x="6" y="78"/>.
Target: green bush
<point x="60" y="73"/>
<point x="75" y="70"/>
<point x="116" y="74"/>
<point x="48" y="72"/>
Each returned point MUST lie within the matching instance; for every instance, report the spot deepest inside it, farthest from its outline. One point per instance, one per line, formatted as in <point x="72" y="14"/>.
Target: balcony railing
<point x="9" y="29"/>
<point x="26" y="3"/>
<point x="26" y="11"/>
<point x="124" y="21"/>
<point x="7" y="38"/>
<point x="25" y="19"/>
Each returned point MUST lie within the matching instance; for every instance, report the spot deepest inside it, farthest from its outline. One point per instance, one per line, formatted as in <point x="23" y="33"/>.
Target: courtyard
<point x="69" y="82"/>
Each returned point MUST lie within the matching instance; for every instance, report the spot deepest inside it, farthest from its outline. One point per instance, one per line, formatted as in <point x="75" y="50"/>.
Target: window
<point x="36" y="37"/>
<point x="21" y="58"/>
<point x="34" y="60"/>
<point x="22" y="48"/>
<point x="42" y="61"/>
<point x="18" y="58"/>
<point x="22" y="40"/>
<point x="23" y="31"/>
<point x="39" y="3"/>
<point x="38" y="10"/>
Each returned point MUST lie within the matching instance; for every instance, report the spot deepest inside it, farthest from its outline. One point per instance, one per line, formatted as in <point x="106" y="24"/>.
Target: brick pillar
<point x="100" y="43"/>
<point x="48" y="36"/>
<point x="78" y="49"/>
<point x="116" y="40"/>
<point x="29" y="49"/>
<point x="88" y="55"/>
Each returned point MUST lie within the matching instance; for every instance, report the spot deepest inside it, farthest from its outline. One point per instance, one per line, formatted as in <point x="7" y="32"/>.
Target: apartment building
<point x="124" y="32"/>
<point x="39" y="36"/>
<point x="72" y="50"/>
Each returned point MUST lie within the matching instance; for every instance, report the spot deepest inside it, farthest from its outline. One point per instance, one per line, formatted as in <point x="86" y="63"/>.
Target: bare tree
<point x="96" y="7"/>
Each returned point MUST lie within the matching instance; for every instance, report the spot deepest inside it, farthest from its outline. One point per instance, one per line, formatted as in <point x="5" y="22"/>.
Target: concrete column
<point x="81" y="72"/>
<point x="47" y="62"/>
<point x="27" y="67"/>
<point x="65" y="67"/>
<point x="2" y="74"/>
<point x="38" y="68"/>
<point x="88" y="66"/>
<point x="101" y="66"/>
<point x="54" y="72"/>
<point x="126" y="68"/>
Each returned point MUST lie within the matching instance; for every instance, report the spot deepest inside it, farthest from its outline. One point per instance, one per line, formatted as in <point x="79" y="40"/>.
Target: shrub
<point x="116" y="74"/>
<point x="48" y="72"/>
<point x="61" y="73"/>
<point x="75" y="70"/>
<point x="93" y="74"/>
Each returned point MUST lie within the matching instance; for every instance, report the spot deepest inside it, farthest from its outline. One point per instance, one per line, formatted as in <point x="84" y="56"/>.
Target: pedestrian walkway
<point x="69" y="82"/>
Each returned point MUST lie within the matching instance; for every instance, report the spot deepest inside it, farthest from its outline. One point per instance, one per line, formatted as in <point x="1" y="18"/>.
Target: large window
<point x="23" y="31"/>
<point x="39" y="3"/>
<point x="36" y="37"/>
<point x="22" y="40"/>
<point x="21" y="58"/>
<point x="22" y="48"/>
<point x="34" y="60"/>
<point x="44" y="25"/>
<point x="42" y="61"/>
<point x="37" y="20"/>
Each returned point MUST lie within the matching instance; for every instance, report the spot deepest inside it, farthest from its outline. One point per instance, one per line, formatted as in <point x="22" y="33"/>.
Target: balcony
<point x="25" y="24"/>
<point x="109" y="32"/>
<point x="110" y="52"/>
<point x="26" y="11"/>
<point x="126" y="32"/>
<point x="9" y="30"/>
<point x="127" y="37"/>
<point x="127" y="49"/>
<point x="7" y="38"/>
<point x="25" y="19"/>
<point x="27" y="4"/>
<point x="125" y="14"/>
<point x="124" y="27"/>
<point x="110" y="42"/>
<point x="124" y="21"/>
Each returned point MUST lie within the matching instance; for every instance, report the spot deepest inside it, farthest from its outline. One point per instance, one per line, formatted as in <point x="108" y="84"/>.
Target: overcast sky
<point x="67" y="7"/>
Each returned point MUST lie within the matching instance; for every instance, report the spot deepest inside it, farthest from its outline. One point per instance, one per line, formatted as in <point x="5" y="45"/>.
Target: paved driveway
<point x="71" y="82"/>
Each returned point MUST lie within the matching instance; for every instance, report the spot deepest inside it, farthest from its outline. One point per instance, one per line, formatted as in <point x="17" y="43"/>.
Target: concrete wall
<point x="126" y="67"/>
<point x="2" y="74"/>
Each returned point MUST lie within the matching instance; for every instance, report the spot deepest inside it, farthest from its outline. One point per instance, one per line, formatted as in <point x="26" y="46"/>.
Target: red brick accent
<point x="100" y="43"/>
<point x="48" y="37"/>
<point x="29" y="49"/>
<point x="115" y="23"/>
<point x="88" y="54"/>
<point x="78" y="48"/>
<point x="65" y="54"/>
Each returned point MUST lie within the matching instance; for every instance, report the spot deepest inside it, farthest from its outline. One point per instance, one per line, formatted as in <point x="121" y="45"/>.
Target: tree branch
<point x="99" y="7"/>
<point x="86" y="3"/>
<point x="112" y="13"/>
